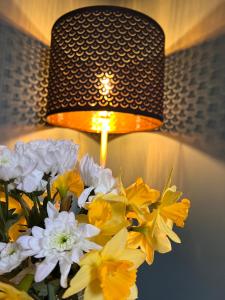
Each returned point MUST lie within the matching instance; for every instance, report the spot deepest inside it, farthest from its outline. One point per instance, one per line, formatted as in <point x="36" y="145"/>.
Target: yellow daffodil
<point x="169" y="208"/>
<point x="154" y="228"/>
<point x="150" y="239"/>
<point x="109" y="274"/>
<point x="108" y="213"/>
<point x="8" y="292"/>
<point x="138" y="197"/>
<point x="68" y="182"/>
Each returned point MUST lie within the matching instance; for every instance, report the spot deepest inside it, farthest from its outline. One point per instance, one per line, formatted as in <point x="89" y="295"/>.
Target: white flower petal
<point x="45" y="268"/>
<point x="40" y="254"/>
<point x="84" y="196"/>
<point x="106" y="182"/>
<point x="31" y="182"/>
<point x="76" y="254"/>
<point x="27" y="253"/>
<point x="88" y="230"/>
<point x="2" y="246"/>
<point x="24" y="241"/>
<point x="88" y="245"/>
<point x="52" y="211"/>
<point x="64" y="270"/>
<point x="34" y="244"/>
<point x="37" y="232"/>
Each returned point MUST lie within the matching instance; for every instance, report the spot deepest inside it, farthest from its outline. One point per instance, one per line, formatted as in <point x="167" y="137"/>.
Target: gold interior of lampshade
<point x="96" y="121"/>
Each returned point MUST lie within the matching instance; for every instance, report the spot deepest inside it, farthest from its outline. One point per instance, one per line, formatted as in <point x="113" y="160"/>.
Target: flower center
<point x="117" y="278"/>
<point x="9" y="250"/>
<point x="4" y="161"/>
<point x="62" y="241"/>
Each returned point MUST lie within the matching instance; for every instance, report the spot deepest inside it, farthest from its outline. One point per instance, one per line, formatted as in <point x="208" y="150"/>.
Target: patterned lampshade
<point x="106" y="64"/>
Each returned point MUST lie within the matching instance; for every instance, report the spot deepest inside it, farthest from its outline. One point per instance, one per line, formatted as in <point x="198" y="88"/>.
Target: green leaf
<point x="40" y="289"/>
<point x="11" y="221"/>
<point x="26" y="283"/>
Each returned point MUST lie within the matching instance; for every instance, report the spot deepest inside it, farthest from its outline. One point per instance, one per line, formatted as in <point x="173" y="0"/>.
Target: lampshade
<point x="106" y="64"/>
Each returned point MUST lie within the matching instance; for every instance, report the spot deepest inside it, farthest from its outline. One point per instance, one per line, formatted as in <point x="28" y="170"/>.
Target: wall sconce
<point x="106" y="72"/>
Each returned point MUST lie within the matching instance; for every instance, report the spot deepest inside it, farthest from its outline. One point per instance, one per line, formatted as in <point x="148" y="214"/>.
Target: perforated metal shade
<point x="106" y="62"/>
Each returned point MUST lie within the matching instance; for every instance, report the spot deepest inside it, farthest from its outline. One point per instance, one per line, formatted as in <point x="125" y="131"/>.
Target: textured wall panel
<point x="23" y="77"/>
<point x="195" y="95"/>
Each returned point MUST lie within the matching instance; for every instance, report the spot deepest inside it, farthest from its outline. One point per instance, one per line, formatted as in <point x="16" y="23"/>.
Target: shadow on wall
<point x="194" y="96"/>
<point x="23" y="77"/>
<point x="194" y="88"/>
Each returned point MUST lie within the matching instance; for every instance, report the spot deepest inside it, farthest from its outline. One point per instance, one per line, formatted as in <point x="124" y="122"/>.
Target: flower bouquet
<point x="69" y="229"/>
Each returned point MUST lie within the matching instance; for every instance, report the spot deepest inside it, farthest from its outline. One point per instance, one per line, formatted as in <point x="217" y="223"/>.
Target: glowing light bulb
<point x="106" y="83"/>
<point x="103" y="121"/>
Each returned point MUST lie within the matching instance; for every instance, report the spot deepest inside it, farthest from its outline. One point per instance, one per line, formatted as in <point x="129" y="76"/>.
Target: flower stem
<point x="2" y="213"/>
<point x="51" y="292"/>
<point x="6" y="198"/>
<point x="49" y="190"/>
<point x="23" y="204"/>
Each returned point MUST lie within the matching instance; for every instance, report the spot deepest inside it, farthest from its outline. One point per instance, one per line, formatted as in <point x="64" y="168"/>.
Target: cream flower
<point x="51" y="156"/>
<point x="95" y="178"/>
<point x="11" y="256"/>
<point x="62" y="240"/>
<point x="9" y="164"/>
<point x="42" y="157"/>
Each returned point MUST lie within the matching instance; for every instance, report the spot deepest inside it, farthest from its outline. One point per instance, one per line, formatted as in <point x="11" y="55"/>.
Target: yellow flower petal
<point x="82" y="218"/>
<point x="133" y="293"/>
<point x="165" y="228"/>
<point x="134" y="239"/>
<point x="171" y="196"/>
<point x="145" y="241"/>
<point x="137" y="257"/>
<point x="177" y="212"/>
<point x="93" y="291"/>
<point x="147" y="247"/>
<point x="109" y="216"/>
<point x="141" y="194"/>
<point x="69" y="181"/>
<point x="116" y="245"/>
<point x="14" y="230"/>
<point x="162" y="243"/>
<point x="81" y="280"/>
<point x="117" y="278"/>
<point x="8" y="292"/>
<point x="91" y="258"/>
<point x="99" y="211"/>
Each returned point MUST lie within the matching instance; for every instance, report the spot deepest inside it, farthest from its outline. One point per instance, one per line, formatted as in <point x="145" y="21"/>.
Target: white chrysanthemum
<point x="63" y="240"/>
<point x="51" y="156"/>
<point x="11" y="256"/>
<point x="43" y="157"/>
<point x="95" y="178"/>
<point x="9" y="164"/>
